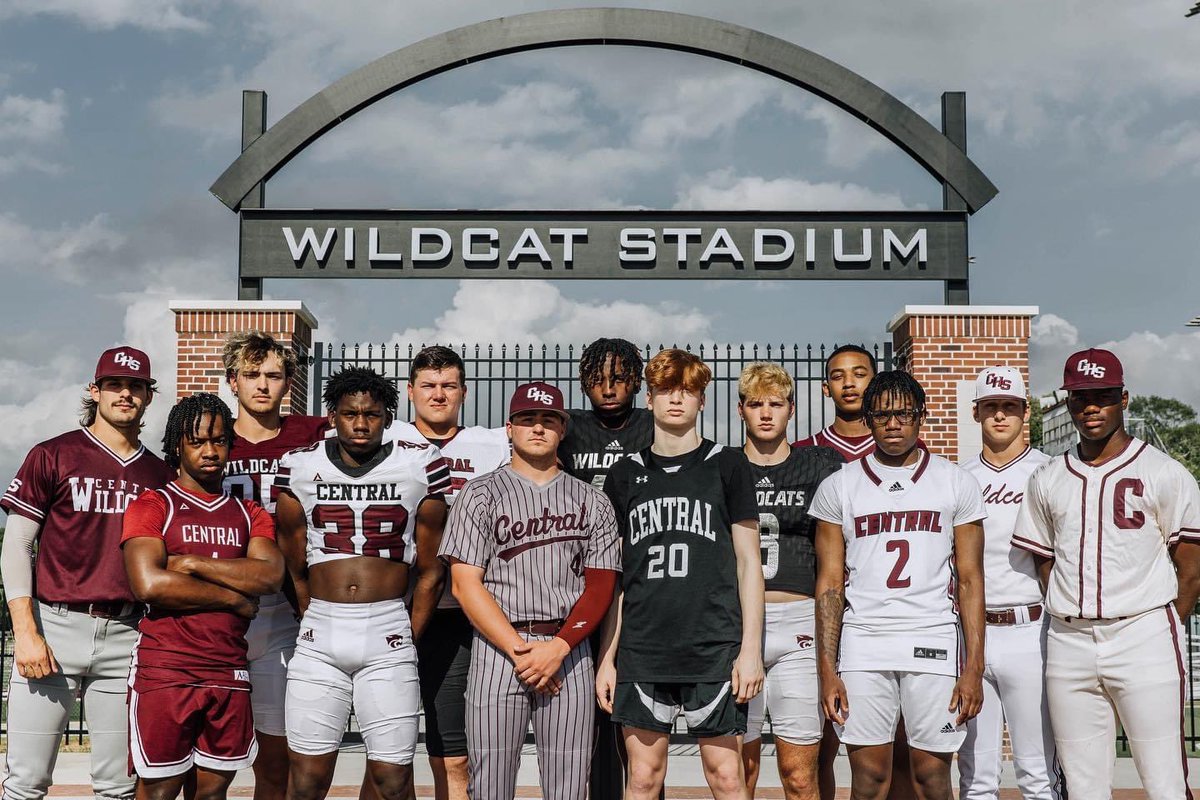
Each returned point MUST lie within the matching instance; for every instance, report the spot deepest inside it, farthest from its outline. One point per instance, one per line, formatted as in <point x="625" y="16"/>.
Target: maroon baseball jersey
<point x="851" y="447"/>
<point x="202" y="648"/>
<point x="77" y="489"/>
<point x="250" y="471"/>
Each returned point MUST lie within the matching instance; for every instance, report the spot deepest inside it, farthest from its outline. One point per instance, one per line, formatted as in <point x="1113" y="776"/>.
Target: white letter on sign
<point x="418" y="240"/>
<point x="839" y="249"/>
<point x="528" y="245"/>
<point x="637" y="245"/>
<point x="761" y="235"/>
<point x="891" y="244"/>
<point x="373" y="253"/>
<point x="721" y="244"/>
<point x="308" y="240"/>
<point x="489" y="235"/>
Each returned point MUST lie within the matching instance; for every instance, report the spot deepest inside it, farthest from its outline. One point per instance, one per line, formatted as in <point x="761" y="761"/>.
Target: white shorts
<point x="356" y="656"/>
<point x="271" y="641"/>
<point x="877" y="699"/>
<point x="790" y="694"/>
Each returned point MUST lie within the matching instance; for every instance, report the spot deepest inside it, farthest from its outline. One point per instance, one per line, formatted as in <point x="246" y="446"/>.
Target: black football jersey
<point x="682" y="618"/>
<point x="589" y="449"/>
<point x="786" y="532"/>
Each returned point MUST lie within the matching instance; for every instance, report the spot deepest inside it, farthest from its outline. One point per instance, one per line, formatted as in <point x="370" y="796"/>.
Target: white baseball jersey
<point x="898" y="525"/>
<point x="469" y="453"/>
<point x="362" y="511"/>
<point x="1010" y="574"/>
<point x="1108" y="528"/>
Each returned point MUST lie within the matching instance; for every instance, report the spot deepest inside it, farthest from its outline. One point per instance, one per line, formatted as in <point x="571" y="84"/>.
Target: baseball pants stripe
<point x="1100" y="670"/>
<point x="92" y="653"/>
<point x="500" y="709"/>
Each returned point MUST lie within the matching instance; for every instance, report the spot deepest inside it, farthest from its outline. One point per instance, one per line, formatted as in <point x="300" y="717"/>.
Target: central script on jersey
<point x="508" y="530"/>
<point x="670" y="514"/>
<point x="897" y="522"/>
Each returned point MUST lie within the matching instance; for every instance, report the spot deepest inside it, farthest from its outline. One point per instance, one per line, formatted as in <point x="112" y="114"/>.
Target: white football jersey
<point x="1109" y="529"/>
<point x="898" y="525"/>
<point x="363" y="511"/>
<point x="469" y="453"/>
<point x="1010" y="576"/>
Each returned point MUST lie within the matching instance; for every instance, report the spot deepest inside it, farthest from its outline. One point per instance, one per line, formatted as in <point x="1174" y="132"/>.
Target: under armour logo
<point x="123" y="358"/>
<point x="642" y="479"/>
<point x="538" y="396"/>
<point x="1088" y="368"/>
<point x="998" y="382"/>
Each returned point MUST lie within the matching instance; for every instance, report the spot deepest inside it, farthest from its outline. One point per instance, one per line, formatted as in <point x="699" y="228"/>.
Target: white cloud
<point x="70" y="252"/>
<point x="1175" y="148"/>
<point x="724" y="189"/>
<point x="151" y="15"/>
<point x="31" y="119"/>
<point x="18" y="162"/>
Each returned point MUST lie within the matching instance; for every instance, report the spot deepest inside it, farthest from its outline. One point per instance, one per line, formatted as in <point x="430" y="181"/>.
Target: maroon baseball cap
<point x="124" y="362"/>
<point x="537" y="396"/>
<point x="1093" y="369"/>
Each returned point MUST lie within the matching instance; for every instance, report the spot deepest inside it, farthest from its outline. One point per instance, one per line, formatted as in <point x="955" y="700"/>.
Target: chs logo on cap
<point x="537" y="396"/>
<point x="127" y="360"/>
<point x="1093" y="369"/>
<point x="1085" y="367"/>
<point x="999" y="382"/>
<point x="124" y="362"/>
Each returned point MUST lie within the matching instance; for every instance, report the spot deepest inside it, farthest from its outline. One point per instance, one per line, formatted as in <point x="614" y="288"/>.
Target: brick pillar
<point x="202" y="325"/>
<point x="945" y="347"/>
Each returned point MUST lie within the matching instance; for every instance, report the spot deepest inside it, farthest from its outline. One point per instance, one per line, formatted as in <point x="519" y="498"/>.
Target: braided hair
<point x="184" y="420"/>
<point x="355" y="380"/>
<point x="596" y="356"/>
<point x="895" y="385"/>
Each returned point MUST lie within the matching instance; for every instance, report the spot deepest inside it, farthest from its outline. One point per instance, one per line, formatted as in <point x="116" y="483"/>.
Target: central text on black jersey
<point x="661" y="514"/>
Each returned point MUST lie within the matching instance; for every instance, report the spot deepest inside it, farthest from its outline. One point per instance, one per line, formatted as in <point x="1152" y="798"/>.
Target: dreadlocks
<point x="184" y="420"/>
<point x="596" y="356"/>
<point x="896" y="386"/>
<point x="355" y="380"/>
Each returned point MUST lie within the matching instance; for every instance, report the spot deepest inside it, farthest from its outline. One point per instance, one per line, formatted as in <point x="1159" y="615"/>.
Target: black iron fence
<point x="494" y="370"/>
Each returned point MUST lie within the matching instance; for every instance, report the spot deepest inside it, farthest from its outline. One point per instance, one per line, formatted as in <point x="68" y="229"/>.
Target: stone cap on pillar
<point x="908" y="312"/>
<point x="293" y="307"/>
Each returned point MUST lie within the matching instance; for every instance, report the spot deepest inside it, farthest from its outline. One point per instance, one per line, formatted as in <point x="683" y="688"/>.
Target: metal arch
<point x="625" y="26"/>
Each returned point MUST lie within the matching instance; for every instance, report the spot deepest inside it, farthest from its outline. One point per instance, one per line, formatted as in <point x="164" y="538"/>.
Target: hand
<point x="747" y="679"/>
<point x="33" y="658"/>
<point x="536" y="663"/>
<point x="606" y="685"/>
<point x="246" y="607"/>
<point x="834" y="700"/>
<point x="967" y="697"/>
<point x="181" y="563"/>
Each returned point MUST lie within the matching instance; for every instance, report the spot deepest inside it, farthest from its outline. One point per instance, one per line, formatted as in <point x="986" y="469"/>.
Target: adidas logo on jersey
<point x="765" y="483"/>
<point x="947" y="728"/>
<point x="306" y="635"/>
<point x="614" y="445"/>
<point x="896" y="487"/>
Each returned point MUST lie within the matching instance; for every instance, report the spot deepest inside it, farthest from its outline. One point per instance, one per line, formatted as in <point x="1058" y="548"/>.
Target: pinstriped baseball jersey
<point x="533" y="542"/>
<point x="1011" y="577"/>
<point x="898" y="525"/>
<point x="1109" y="528"/>
<point x="368" y="510"/>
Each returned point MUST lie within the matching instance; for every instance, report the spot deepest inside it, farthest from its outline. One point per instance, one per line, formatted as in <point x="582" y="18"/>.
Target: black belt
<point x="539" y="627"/>
<point x="114" y="609"/>
<point x="1008" y="616"/>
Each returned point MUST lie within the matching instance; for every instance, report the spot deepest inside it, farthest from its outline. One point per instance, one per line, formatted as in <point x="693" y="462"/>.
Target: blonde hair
<point x="251" y="348"/>
<point x="675" y="369"/>
<point x="765" y="379"/>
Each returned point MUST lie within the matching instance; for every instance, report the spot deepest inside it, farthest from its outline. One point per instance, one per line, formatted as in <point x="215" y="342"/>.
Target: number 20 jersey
<point x="898" y="526"/>
<point x="368" y="510"/>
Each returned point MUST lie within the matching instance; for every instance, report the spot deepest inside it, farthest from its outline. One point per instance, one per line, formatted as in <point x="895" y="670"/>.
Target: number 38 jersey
<point x="369" y="510"/>
<point x="898" y="525"/>
<point x="681" y="616"/>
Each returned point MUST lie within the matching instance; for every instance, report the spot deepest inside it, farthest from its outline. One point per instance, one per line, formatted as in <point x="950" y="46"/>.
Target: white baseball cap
<point x="999" y="382"/>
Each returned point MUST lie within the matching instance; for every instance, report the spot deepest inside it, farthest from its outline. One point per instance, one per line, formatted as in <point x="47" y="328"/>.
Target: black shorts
<point x="708" y="708"/>
<point x="444" y="656"/>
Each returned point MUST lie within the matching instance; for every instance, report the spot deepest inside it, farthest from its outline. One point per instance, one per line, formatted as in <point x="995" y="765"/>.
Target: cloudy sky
<point x="116" y="116"/>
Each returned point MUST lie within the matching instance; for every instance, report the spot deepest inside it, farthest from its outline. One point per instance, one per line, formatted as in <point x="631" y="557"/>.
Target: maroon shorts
<point x="173" y="728"/>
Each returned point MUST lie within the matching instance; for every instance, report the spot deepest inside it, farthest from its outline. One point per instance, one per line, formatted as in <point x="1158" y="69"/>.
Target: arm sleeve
<point x="468" y="534"/>
<point x="591" y="607"/>
<point x="739" y="486"/>
<point x="1034" y="531"/>
<point x="827" y="502"/>
<point x="968" y="498"/>
<point x="146" y="516"/>
<point x="16" y="557"/>
<point x="262" y="524"/>
<point x="31" y="492"/>
<point x="604" y="545"/>
<point x="1179" y="514"/>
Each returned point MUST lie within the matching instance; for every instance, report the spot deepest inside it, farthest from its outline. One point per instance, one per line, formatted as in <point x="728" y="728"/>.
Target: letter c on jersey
<point x="1125" y="520"/>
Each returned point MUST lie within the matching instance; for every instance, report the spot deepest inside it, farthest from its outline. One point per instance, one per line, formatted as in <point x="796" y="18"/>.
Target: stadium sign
<point x="900" y="245"/>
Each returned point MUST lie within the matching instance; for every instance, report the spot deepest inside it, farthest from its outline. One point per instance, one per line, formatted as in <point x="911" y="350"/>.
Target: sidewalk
<point x="684" y="776"/>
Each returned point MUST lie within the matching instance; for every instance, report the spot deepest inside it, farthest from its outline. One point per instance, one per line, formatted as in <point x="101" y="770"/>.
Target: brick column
<point x="945" y="347"/>
<point x="202" y="325"/>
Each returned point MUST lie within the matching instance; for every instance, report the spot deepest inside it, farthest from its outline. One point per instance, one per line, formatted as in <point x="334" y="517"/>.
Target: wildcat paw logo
<point x="804" y="641"/>
<point x="394" y="640"/>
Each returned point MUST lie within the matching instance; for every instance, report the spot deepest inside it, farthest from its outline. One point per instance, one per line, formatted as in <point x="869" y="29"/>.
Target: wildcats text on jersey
<point x="663" y="514"/>
<point x="781" y="498"/>
<point x="1002" y="495"/>
<point x="102" y="495"/>
<point x="593" y="461"/>
<point x="897" y="522"/>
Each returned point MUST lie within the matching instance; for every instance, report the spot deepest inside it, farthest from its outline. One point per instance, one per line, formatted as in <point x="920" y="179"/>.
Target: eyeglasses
<point x="905" y="416"/>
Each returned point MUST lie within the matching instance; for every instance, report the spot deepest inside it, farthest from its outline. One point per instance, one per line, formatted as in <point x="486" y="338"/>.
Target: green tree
<point x="1175" y="421"/>
<point x="1035" y="423"/>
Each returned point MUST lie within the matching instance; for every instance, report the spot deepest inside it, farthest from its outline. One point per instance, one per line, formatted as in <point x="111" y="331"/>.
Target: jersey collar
<point x="922" y="463"/>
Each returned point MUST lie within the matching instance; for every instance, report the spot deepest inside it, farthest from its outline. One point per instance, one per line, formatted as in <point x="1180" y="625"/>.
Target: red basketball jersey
<point x="203" y="648"/>
<point x="250" y="471"/>
<point x="77" y="489"/>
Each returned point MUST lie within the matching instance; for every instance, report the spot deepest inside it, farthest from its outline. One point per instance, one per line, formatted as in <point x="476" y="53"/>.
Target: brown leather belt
<point x="1008" y="616"/>
<point x="539" y="627"/>
<point x="115" y="609"/>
